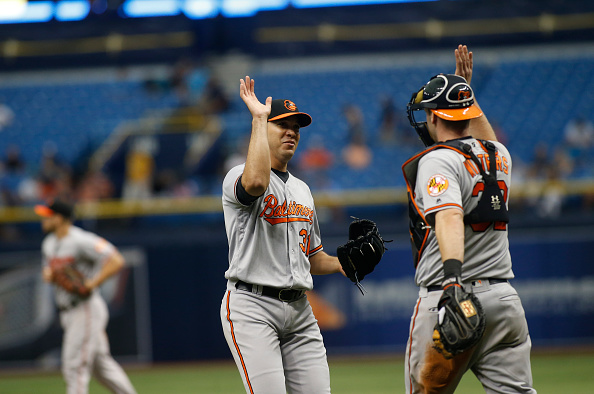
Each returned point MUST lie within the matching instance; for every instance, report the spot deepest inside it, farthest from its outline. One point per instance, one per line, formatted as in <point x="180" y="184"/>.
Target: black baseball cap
<point x="449" y="97"/>
<point x="59" y="207"/>
<point x="282" y="108"/>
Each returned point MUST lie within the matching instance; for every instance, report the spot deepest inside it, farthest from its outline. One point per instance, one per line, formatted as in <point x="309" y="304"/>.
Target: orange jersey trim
<point x="315" y="250"/>
<point x="411" y="342"/>
<point x="274" y="221"/>
<point x="247" y="378"/>
<point x="453" y="205"/>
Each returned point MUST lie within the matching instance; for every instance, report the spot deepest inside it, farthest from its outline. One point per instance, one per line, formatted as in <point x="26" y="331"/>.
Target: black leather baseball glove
<point x="460" y="323"/>
<point x="364" y="250"/>
<point x="71" y="280"/>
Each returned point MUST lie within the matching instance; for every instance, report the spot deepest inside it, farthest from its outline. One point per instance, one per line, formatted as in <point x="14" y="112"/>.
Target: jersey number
<point x="480" y="227"/>
<point x="306" y="241"/>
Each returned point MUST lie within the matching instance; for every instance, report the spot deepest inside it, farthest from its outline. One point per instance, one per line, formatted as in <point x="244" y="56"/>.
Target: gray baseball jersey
<point x="277" y="345"/>
<point x="271" y="240"/>
<point x="501" y="360"/>
<point x="82" y="249"/>
<point x="446" y="179"/>
<point x="85" y="348"/>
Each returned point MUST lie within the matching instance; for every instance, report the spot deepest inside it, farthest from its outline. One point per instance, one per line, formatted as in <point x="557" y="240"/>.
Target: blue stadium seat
<point x="531" y="100"/>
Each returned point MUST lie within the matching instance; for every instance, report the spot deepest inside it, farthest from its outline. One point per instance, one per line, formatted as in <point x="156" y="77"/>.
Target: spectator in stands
<point x="357" y="155"/>
<point x="17" y="184"/>
<point x="548" y="196"/>
<point x="579" y="133"/>
<point x="552" y="195"/>
<point x="539" y="167"/>
<point x="13" y="162"/>
<point x="178" y="80"/>
<point x="12" y="175"/>
<point x="214" y="99"/>
<point x="140" y="168"/>
<point x="55" y="175"/>
<point x="387" y="126"/>
<point x="172" y="183"/>
<point x="563" y="164"/>
<point x="29" y="190"/>
<point x="94" y="186"/>
<point x="315" y="162"/>
<point x="6" y="116"/>
<point x="355" y="122"/>
<point x="236" y="154"/>
<point x="392" y="129"/>
<point x="579" y="141"/>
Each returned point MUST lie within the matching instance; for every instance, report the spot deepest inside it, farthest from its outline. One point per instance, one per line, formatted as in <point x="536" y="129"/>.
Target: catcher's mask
<point x="448" y="96"/>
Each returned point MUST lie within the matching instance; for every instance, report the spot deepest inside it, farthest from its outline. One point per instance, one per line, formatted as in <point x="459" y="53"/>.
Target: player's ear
<point x="431" y="118"/>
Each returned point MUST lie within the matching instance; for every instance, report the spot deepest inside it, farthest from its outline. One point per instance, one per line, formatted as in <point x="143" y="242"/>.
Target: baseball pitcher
<point x="274" y="248"/>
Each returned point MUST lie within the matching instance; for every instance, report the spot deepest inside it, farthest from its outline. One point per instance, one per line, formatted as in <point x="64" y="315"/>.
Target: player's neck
<point x="278" y="165"/>
<point x="62" y="230"/>
<point x="446" y="135"/>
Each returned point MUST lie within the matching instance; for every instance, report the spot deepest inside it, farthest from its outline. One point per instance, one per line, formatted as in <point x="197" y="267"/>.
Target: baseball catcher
<point x="364" y="250"/>
<point x="461" y="320"/>
<point x="459" y="238"/>
<point x="71" y="280"/>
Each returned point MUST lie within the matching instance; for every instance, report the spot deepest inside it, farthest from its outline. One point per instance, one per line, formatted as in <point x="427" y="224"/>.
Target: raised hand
<point x="463" y="62"/>
<point x="247" y="94"/>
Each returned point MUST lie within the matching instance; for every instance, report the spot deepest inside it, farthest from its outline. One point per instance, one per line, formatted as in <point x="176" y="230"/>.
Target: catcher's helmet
<point x="448" y="96"/>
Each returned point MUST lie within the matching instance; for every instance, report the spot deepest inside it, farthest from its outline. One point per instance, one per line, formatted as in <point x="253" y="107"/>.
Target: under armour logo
<point x="495" y="203"/>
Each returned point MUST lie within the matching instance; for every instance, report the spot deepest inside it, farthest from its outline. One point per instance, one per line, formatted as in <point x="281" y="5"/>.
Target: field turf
<point x="553" y="374"/>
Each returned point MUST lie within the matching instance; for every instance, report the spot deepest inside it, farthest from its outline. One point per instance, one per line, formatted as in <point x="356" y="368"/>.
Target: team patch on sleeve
<point x="437" y="185"/>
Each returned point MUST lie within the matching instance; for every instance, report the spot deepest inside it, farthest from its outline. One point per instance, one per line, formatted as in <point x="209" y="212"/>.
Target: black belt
<point x="72" y="304"/>
<point x="492" y="281"/>
<point x="285" y="295"/>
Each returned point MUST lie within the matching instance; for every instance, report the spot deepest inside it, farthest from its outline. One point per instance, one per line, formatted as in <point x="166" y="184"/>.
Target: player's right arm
<point x="479" y="127"/>
<point x="449" y="231"/>
<point x="256" y="174"/>
<point x="111" y="266"/>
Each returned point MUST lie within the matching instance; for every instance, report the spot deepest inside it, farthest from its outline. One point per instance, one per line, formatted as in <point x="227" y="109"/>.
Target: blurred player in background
<point x="274" y="248"/>
<point x="83" y="312"/>
<point x="460" y="243"/>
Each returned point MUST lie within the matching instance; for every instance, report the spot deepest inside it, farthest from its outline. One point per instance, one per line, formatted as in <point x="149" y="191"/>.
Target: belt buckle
<point x="289" y="298"/>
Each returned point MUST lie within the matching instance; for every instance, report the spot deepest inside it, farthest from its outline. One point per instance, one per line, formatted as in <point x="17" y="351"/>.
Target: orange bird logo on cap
<point x="290" y="105"/>
<point x="463" y="95"/>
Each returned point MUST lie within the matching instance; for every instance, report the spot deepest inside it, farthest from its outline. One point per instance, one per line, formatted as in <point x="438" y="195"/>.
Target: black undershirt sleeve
<point x="242" y="195"/>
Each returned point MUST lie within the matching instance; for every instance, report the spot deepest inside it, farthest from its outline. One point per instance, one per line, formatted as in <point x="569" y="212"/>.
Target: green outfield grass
<point x="553" y="374"/>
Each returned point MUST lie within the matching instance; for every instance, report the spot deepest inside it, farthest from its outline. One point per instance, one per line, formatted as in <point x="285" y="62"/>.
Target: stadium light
<point x="12" y="9"/>
<point x="72" y="10"/>
<point x="238" y="8"/>
<point x="200" y="9"/>
<point x="23" y="11"/>
<point x="335" y="3"/>
<point x="148" y="8"/>
<point x="17" y="11"/>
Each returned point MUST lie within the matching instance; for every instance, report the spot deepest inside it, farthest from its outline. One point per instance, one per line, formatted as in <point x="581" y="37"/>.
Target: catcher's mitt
<point x="364" y="250"/>
<point x="461" y="321"/>
<point x="71" y="280"/>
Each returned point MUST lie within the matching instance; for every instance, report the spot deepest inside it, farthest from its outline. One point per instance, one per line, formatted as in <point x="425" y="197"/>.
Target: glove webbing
<point x="359" y="285"/>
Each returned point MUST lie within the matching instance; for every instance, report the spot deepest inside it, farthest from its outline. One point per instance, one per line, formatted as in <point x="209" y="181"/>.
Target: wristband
<point x="452" y="272"/>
